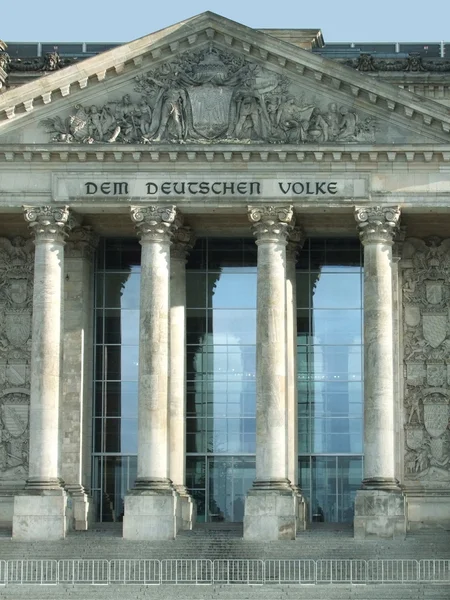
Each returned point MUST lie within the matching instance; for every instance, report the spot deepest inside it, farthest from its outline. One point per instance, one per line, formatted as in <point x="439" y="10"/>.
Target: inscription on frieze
<point x="212" y="96"/>
<point x="72" y="186"/>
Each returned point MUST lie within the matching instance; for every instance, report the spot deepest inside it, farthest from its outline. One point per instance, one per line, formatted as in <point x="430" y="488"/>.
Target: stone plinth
<point x="270" y="514"/>
<point x="150" y="515"/>
<point x="40" y="516"/>
<point x="379" y="513"/>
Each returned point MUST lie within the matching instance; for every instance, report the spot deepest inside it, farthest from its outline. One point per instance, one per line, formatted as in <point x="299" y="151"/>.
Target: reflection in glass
<point x="329" y="376"/>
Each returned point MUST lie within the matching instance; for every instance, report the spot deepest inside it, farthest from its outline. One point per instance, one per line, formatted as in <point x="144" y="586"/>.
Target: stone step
<point x="230" y="592"/>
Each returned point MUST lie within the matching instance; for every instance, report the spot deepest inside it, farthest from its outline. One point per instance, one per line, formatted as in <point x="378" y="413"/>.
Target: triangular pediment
<point x="213" y="81"/>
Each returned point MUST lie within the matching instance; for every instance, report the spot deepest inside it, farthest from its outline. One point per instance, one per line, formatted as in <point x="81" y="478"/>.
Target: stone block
<point x="40" y="517"/>
<point x="150" y="515"/>
<point x="379" y="513"/>
<point x="270" y="515"/>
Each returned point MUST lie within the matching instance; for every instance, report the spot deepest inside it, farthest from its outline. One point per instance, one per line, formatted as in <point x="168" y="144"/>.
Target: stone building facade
<point x="211" y="130"/>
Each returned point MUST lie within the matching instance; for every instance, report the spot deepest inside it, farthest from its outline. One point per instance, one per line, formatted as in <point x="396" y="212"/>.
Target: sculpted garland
<point x="426" y="343"/>
<point x="211" y="96"/>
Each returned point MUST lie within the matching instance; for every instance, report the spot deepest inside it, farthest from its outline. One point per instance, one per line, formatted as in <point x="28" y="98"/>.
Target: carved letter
<point x="165" y="188"/>
<point x="178" y="188"/>
<point x="332" y="187"/>
<point x="288" y="187"/>
<point x="242" y="187"/>
<point x="257" y="185"/>
<point x="91" y="188"/>
<point x="319" y="187"/>
<point x="152" y="188"/>
<point x="120" y="188"/>
<point x="191" y="189"/>
<point x="106" y="188"/>
<point x="204" y="188"/>
<point x="298" y="187"/>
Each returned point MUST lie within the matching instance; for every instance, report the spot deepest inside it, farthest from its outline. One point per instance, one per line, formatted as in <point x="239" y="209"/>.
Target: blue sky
<point x="125" y="20"/>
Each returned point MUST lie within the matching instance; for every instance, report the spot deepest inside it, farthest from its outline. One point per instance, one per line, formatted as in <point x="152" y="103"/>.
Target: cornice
<point x="132" y="154"/>
<point x="164" y="45"/>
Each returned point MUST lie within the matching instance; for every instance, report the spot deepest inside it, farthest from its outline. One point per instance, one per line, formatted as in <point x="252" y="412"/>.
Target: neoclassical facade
<point x="224" y="290"/>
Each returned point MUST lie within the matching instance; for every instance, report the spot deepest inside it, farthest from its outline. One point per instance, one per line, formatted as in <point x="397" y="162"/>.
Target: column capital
<point x="377" y="224"/>
<point x="82" y="243"/>
<point x="271" y="223"/>
<point x="295" y="243"/>
<point x="50" y="223"/>
<point x="183" y="241"/>
<point x="154" y="223"/>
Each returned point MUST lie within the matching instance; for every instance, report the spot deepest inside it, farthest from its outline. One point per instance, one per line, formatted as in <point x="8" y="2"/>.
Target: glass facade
<point x="221" y="372"/>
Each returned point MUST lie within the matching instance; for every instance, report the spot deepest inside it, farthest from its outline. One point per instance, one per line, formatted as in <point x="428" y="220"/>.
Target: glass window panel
<point x="121" y="362"/>
<point x="232" y="290"/>
<point x="337" y="290"/>
<point x="196" y="326"/>
<point x="349" y="481"/>
<point x="196" y="290"/>
<point x="99" y="290"/>
<point x="337" y="327"/>
<point x="232" y="327"/>
<point x="121" y="327"/>
<point x="323" y="492"/>
<point x="303" y="290"/>
<point x="195" y="472"/>
<point x="122" y="254"/>
<point x="122" y="290"/>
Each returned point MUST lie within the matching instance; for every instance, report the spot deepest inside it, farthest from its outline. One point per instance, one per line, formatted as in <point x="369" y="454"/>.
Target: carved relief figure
<point x="426" y="344"/>
<point x="211" y="95"/>
<point x="16" y="279"/>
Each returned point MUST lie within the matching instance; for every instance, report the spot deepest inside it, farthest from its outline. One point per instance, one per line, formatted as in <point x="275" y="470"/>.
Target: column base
<point x="187" y="508"/>
<point x="150" y="514"/>
<point x="40" y="514"/>
<point x="380" y="514"/>
<point x="80" y="507"/>
<point x="270" y="514"/>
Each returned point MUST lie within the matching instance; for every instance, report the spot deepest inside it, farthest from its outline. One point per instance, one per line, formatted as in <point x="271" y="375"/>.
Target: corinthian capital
<point x="154" y="223"/>
<point x="377" y="224"/>
<point x="49" y="223"/>
<point x="271" y="223"/>
<point x="82" y="243"/>
<point x="295" y="243"/>
<point x="182" y="242"/>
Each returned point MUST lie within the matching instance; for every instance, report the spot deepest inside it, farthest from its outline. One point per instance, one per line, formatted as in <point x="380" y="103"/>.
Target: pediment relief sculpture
<point x="213" y="96"/>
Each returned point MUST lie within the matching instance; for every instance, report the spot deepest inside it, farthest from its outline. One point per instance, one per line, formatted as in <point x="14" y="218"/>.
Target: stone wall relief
<point x="210" y="96"/>
<point x="16" y="295"/>
<point x="426" y="344"/>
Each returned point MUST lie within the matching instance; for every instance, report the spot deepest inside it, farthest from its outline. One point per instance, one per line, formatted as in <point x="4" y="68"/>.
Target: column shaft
<point x="378" y="364"/>
<point x="270" y="508"/>
<point x="40" y="512"/>
<point x="151" y="507"/>
<point x="379" y="505"/>
<point x="154" y="362"/>
<point x="181" y="244"/>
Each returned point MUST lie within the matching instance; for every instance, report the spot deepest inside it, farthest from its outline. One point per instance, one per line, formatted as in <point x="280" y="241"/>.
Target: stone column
<point x="76" y="403"/>
<point x="150" y="508"/>
<point x="270" y="508"/>
<point x="380" y="504"/>
<point x="182" y="242"/>
<point x="294" y="245"/>
<point x="40" y="512"/>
